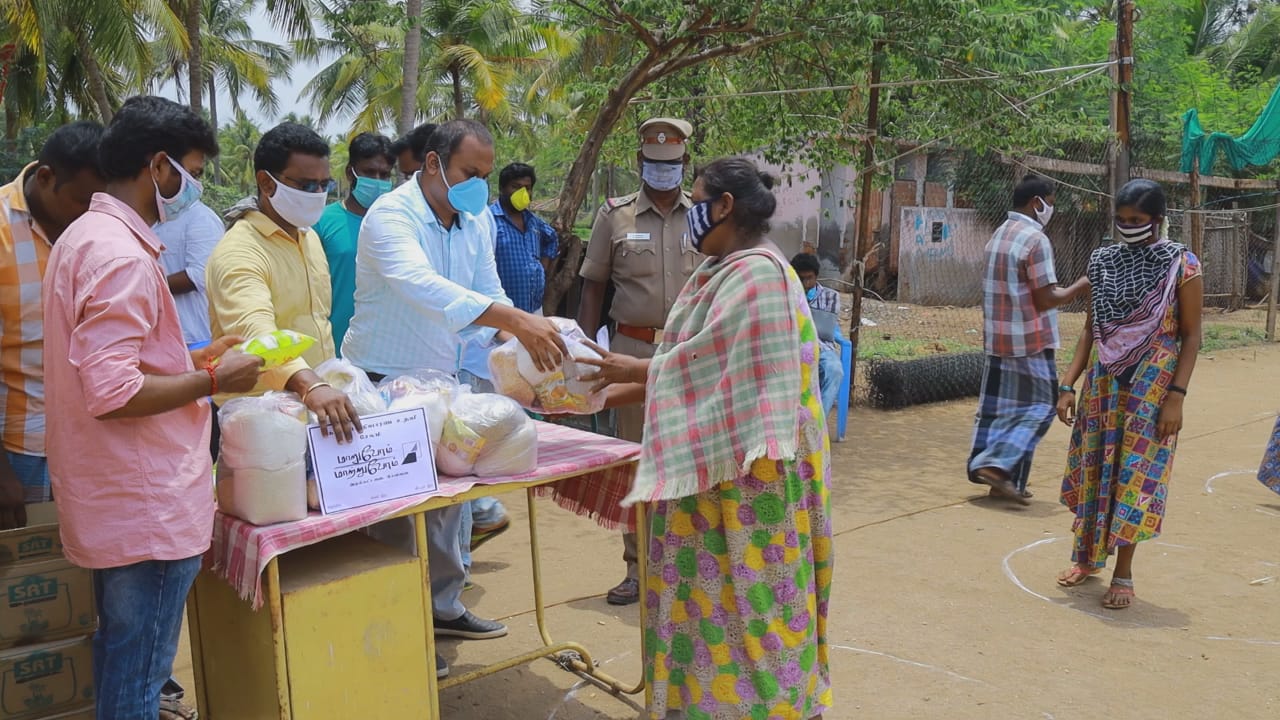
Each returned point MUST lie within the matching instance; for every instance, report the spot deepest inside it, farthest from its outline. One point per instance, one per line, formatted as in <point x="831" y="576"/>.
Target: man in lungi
<point x="1019" y="385"/>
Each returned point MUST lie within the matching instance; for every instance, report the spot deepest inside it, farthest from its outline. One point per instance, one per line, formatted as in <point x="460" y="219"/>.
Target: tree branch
<point x="674" y="65"/>
<point x="608" y="20"/>
<point x="646" y="37"/>
<point x="692" y="23"/>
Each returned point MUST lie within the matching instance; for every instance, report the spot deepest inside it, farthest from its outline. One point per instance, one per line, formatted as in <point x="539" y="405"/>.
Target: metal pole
<point x="865" y="243"/>
<point x="1123" y="98"/>
<point x="1195" y="219"/>
<point x="1275" y="281"/>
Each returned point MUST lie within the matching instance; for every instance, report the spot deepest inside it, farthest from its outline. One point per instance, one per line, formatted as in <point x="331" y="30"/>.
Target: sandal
<point x="997" y="494"/>
<point x="1000" y="485"/>
<point x="171" y="709"/>
<point x="1076" y="575"/>
<point x="1120" y="588"/>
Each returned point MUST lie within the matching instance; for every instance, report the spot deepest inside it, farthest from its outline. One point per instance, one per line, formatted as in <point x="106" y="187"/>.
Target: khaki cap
<point x="656" y="143"/>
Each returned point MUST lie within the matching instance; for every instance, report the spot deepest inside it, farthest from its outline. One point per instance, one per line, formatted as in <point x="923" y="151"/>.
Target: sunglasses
<point x="313" y="186"/>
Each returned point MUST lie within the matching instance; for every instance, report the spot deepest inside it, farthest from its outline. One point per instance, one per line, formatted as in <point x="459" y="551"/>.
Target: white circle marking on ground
<point x="1013" y="577"/>
<point x="1208" y="484"/>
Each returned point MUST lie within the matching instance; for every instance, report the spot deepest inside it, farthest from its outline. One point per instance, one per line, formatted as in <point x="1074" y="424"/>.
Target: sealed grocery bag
<point x="278" y="347"/>
<point x="262" y="474"/>
<point x="487" y="435"/>
<point x="353" y="381"/>
<point x="431" y="390"/>
<point x="554" y="392"/>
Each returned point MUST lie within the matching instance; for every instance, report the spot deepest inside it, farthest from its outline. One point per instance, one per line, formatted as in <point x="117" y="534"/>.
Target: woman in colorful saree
<point x="735" y="462"/>
<point x="1139" y="345"/>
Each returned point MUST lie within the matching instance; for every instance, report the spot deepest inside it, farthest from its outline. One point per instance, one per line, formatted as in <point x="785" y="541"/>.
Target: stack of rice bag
<point x="262" y="474"/>
<point x="262" y="469"/>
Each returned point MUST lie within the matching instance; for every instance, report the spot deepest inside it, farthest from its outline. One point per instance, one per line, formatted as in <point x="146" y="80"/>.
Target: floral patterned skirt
<point x="739" y="580"/>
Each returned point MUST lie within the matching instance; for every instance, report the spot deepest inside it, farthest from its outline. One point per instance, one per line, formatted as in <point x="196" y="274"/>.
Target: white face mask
<point x="662" y="176"/>
<point x="299" y="209"/>
<point x="1045" y="213"/>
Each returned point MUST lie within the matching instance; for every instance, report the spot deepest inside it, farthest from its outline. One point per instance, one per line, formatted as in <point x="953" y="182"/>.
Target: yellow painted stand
<point x="348" y="631"/>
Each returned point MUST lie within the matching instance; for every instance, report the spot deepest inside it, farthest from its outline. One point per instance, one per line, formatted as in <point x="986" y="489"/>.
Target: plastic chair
<point x="842" y="403"/>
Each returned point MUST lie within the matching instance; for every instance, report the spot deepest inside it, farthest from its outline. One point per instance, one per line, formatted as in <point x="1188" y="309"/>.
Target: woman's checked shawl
<point x="722" y="386"/>
<point x="1133" y="287"/>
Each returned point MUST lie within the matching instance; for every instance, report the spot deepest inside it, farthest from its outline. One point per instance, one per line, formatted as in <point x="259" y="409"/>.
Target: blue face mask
<point x="470" y="196"/>
<point x="369" y="189"/>
<point x="188" y="193"/>
<point x="811" y="293"/>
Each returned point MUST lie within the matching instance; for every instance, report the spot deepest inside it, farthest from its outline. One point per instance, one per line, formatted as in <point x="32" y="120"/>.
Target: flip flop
<point x="1076" y="575"/>
<point x="1120" y="587"/>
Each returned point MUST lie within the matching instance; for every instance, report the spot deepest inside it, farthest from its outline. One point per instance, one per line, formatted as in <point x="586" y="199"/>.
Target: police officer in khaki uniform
<point x="640" y="243"/>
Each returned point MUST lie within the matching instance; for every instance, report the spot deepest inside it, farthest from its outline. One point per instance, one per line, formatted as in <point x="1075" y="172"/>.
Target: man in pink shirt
<point x="128" y="419"/>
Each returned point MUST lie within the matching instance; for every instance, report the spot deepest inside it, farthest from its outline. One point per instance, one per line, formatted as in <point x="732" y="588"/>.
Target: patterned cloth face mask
<point x="1135" y="234"/>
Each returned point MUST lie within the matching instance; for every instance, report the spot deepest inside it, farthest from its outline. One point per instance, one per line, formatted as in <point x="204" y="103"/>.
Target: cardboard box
<point x="45" y="601"/>
<point x="50" y="680"/>
<point x="36" y="542"/>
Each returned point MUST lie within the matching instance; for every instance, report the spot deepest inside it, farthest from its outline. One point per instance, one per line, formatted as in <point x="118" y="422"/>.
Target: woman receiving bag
<point x="735" y="460"/>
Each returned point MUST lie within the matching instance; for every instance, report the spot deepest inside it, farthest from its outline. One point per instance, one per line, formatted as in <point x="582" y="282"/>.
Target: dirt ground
<point x="944" y="602"/>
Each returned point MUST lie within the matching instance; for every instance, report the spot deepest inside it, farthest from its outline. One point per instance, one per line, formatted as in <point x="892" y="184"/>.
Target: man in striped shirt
<point x="1019" y="386"/>
<point x="35" y="208"/>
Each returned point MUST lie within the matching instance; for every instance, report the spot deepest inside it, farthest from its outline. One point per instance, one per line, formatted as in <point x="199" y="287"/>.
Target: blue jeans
<point x="830" y="375"/>
<point x="139" y="622"/>
<point x="33" y="473"/>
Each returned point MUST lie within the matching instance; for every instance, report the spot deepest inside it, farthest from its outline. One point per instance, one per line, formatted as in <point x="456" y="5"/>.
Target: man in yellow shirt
<point x="269" y="272"/>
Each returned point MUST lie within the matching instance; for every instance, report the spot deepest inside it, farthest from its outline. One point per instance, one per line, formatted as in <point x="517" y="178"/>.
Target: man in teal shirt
<point x="369" y="169"/>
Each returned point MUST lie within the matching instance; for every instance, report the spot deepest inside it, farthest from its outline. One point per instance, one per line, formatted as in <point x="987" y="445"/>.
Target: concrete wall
<point x="941" y="265"/>
<point x="815" y="210"/>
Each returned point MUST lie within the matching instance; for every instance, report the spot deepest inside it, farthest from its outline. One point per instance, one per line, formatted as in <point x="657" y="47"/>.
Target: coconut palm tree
<point x="237" y="141"/>
<point x="1253" y="51"/>
<point x="475" y="55"/>
<point x="87" y="51"/>
<point x="233" y="58"/>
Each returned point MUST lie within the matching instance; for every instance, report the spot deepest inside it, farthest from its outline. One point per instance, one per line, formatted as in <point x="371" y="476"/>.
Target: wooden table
<point x="348" y="628"/>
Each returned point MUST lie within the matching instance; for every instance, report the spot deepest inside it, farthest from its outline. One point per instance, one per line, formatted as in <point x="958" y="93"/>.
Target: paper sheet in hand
<point x="391" y="459"/>
<point x="602" y="337"/>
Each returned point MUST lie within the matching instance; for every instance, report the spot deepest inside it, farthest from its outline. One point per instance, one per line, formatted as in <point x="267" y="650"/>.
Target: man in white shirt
<point x="426" y="284"/>
<point x="188" y="242"/>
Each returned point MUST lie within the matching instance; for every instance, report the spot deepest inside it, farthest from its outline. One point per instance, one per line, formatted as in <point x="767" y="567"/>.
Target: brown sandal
<point x="1000" y="485"/>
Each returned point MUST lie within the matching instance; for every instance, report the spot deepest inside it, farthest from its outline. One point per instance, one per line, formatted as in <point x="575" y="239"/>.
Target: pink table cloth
<point x="240" y="551"/>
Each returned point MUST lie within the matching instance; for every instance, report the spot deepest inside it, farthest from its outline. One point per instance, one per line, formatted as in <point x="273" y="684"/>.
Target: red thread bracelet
<point x="213" y="378"/>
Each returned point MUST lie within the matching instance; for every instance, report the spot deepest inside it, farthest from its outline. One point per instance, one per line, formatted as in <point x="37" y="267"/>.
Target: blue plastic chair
<point x="842" y="403"/>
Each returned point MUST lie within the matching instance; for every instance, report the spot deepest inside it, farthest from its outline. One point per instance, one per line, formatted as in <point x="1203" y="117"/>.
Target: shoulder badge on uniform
<point x="617" y="202"/>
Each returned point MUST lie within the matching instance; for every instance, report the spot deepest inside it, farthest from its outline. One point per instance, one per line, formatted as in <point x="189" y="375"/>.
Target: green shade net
<point x="1257" y="147"/>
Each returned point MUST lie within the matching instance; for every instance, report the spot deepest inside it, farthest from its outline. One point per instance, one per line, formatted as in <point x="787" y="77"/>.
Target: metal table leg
<point x="570" y="655"/>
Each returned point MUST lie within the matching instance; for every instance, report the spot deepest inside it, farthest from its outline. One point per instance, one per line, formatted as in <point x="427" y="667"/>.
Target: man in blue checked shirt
<point x="526" y="244"/>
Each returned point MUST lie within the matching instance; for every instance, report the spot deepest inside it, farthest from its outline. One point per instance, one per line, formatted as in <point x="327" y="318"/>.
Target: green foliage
<point x="24" y="148"/>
